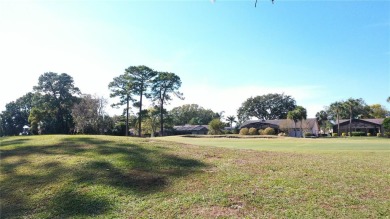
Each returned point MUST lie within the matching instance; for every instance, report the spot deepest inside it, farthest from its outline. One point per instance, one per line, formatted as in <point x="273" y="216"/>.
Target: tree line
<point x="57" y="106"/>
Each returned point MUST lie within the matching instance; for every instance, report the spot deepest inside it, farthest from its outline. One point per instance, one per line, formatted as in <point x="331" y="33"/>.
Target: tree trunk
<point x="139" y="116"/>
<point x="350" y="119"/>
<point x="295" y="129"/>
<point x="338" y="125"/>
<point x="161" y="118"/>
<point x="127" y="116"/>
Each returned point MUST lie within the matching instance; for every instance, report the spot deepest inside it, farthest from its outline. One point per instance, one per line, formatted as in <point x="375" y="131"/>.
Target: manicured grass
<point x="117" y="177"/>
<point x="353" y="144"/>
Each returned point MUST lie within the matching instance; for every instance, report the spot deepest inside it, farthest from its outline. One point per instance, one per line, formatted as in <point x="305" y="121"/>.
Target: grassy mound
<point x="118" y="177"/>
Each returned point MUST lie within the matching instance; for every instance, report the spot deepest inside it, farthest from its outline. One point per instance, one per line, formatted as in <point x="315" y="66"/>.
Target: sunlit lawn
<point x="118" y="177"/>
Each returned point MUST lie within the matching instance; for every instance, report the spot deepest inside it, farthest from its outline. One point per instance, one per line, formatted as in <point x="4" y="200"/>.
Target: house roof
<point x="191" y="127"/>
<point x="375" y="121"/>
<point x="286" y="123"/>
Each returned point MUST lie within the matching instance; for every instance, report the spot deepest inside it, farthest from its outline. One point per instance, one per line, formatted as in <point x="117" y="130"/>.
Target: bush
<point x="252" y="131"/>
<point x="269" y="131"/>
<point x="387" y="134"/>
<point x="309" y="134"/>
<point x="379" y="134"/>
<point x="344" y="134"/>
<point x="334" y="135"/>
<point x="358" y="134"/>
<point x="244" y="131"/>
<point x="215" y="127"/>
<point x="282" y="134"/>
<point x="261" y="132"/>
<point x="368" y="134"/>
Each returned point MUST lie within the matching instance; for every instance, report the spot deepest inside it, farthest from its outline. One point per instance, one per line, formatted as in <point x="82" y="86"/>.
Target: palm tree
<point x="231" y="119"/>
<point x="322" y="117"/>
<point x="294" y="117"/>
<point x="302" y="115"/>
<point x="335" y="108"/>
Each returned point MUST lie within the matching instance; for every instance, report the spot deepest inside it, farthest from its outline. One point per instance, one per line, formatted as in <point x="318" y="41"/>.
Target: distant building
<point x="286" y="125"/>
<point x="372" y="126"/>
<point x="191" y="129"/>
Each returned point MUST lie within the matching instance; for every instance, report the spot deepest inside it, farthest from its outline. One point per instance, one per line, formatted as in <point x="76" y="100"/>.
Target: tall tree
<point x="322" y="118"/>
<point x="378" y="111"/>
<point x="191" y="114"/>
<point x="266" y="107"/>
<point x="142" y="78"/>
<point x="122" y="87"/>
<point x="231" y="119"/>
<point x="16" y="114"/>
<point x="302" y="115"/>
<point x="88" y="114"/>
<point x="334" y="111"/>
<point x="293" y="115"/>
<point x="59" y="89"/>
<point x="163" y="87"/>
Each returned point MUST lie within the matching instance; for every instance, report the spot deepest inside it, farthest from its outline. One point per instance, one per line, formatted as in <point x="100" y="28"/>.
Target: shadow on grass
<point x="5" y="142"/>
<point x="69" y="172"/>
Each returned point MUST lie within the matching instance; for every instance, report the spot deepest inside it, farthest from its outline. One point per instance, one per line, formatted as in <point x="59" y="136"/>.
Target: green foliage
<point x="269" y="106"/>
<point x="368" y="134"/>
<point x="163" y="87"/>
<point x="269" y="131"/>
<point x="88" y="115"/>
<point x="16" y="115"/>
<point x="231" y="119"/>
<point x="56" y="101"/>
<point x="244" y="131"/>
<point x="141" y="79"/>
<point x="379" y="134"/>
<point x="261" y="132"/>
<point x="358" y="134"/>
<point x="216" y="127"/>
<point x="344" y="134"/>
<point x="334" y="135"/>
<point x="309" y="134"/>
<point x="252" y="131"/>
<point x="378" y="111"/>
<point x="351" y="108"/>
<point x="191" y="114"/>
<point x="386" y="124"/>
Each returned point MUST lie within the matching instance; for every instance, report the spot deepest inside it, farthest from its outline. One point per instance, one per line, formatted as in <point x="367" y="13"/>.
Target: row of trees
<point x="56" y="105"/>
<point x="350" y="109"/>
<point x="142" y="81"/>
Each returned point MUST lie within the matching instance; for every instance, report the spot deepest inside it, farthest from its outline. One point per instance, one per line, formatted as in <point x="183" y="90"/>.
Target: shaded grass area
<point x="117" y="177"/>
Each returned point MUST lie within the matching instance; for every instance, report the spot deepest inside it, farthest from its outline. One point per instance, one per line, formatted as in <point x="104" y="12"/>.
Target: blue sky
<point x="316" y="51"/>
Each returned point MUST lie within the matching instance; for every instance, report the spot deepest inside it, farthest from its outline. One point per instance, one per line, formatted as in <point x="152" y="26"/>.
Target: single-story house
<point x="372" y="126"/>
<point x="286" y="125"/>
<point x="191" y="129"/>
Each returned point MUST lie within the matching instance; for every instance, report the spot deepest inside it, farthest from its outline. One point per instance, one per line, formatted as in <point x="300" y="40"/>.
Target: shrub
<point x="215" y="127"/>
<point x="261" y="131"/>
<point x="368" y="134"/>
<point x="252" y="131"/>
<point x="387" y="134"/>
<point x="244" y="131"/>
<point x="344" y="134"/>
<point x="309" y="134"/>
<point x="358" y="134"/>
<point x="334" y="135"/>
<point x="386" y="124"/>
<point x="282" y="134"/>
<point x="378" y="134"/>
<point x="269" y="131"/>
